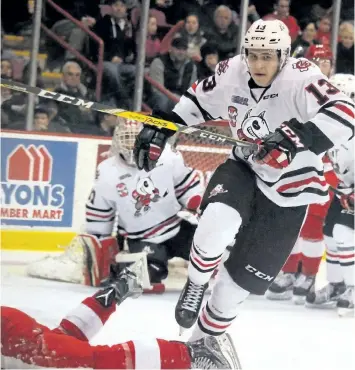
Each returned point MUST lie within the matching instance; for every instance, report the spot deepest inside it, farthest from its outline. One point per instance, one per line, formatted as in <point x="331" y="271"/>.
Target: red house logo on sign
<point x="36" y="164"/>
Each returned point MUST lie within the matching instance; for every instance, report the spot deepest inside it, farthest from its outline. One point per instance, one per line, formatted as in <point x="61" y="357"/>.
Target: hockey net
<point x="204" y="155"/>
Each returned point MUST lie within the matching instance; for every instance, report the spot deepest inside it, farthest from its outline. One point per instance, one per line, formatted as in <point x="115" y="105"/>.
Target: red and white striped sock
<point x="85" y="321"/>
<point x="143" y="354"/>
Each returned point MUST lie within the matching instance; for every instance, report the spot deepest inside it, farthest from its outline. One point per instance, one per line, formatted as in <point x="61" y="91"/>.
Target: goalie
<point x="27" y="344"/>
<point x="146" y="207"/>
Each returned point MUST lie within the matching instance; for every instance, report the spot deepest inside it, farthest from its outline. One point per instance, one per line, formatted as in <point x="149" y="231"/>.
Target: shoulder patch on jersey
<point x="302" y="65"/>
<point x="232" y="115"/>
<point x="222" y="67"/>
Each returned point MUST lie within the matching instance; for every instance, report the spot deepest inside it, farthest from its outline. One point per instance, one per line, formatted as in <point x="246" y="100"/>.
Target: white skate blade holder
<point x="227" y="346"/>
<point x="134" y="257"/>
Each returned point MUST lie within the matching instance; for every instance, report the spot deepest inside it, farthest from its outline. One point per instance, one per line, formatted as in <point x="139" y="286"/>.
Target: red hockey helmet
<point x="317" y="52"/>
<point x="322" y="56"/>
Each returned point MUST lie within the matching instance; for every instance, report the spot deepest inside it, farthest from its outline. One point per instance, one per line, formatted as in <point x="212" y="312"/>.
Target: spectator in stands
<point x="345" y="51"/>
<point x="78" y="119"/>
<point x="117" y="33"/>
<point x="324" y="30"/>
<point x="6" y="94"/>
<point x="306" y="39"/>
<point x="210" y="58"/>
<point x="174" y="71"/>
<point x="194" y="36"/>
<point x="6" y="68"/>
<point x="282" y="12"/>
<point x="86" y="11"/>
<point x="13" y="103"/>
<point x="152" y="46"/>
<point x="223" y="32"/>
<point x="43" y="121"/>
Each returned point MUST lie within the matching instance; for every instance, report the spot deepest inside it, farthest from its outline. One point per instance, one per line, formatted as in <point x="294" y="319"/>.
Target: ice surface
<point x="267" y="335"/>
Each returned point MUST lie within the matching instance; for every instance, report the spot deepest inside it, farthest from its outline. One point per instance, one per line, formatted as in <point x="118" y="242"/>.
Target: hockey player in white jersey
<point x="287" y="106"/>
<point x="298" y="274"/>
<point x="147" y="203"/>
<point x="339" y="225"/>
<point x="146" y="207"/>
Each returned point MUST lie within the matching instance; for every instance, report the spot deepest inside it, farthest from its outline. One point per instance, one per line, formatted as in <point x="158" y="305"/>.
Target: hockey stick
<point x="149" y="120"/>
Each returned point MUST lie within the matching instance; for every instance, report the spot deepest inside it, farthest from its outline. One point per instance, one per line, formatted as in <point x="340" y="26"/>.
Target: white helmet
<point x="345" y="83"/>
<point x="271" y="34"/>
<point x="123" y="140"/>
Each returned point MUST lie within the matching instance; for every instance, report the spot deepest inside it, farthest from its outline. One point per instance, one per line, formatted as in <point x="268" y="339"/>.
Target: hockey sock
<point x="87" y="319"/>
<point x="312" y="252"/>
<point x="222" y="307"/>
<point x="344" y="237"/>
<point x="291" y="265"/>
<point x="143" y="354"/>
<point x="217" y="228"/>
<point x="334" y="273"/>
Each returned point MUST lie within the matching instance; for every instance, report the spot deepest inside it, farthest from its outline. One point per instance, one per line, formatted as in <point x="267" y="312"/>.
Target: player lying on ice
<point x="147" y="207"/>
<point x="296" y="115"/>
<point x="27" y="344"/>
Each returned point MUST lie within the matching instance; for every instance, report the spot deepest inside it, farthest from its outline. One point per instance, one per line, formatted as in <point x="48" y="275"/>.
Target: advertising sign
<point x="37" y="182"/>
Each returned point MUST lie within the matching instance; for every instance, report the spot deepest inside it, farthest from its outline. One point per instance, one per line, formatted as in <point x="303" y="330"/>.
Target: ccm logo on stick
<point x="65" y="98"/>
<point x="212" y="137"/>
<point x="258" y="273"/>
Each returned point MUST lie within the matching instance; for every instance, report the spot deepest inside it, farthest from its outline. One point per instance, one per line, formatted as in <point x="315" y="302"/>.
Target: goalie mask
<point x="123" y="140"/>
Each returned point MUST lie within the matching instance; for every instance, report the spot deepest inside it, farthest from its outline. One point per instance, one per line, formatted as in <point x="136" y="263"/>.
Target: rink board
<point x="45" y="181"/>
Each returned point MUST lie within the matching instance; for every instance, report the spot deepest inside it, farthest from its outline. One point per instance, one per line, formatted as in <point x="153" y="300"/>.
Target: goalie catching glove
<point x="279" y="148"/>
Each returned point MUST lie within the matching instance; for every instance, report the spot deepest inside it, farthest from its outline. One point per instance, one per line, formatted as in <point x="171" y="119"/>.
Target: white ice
<point x="267" y="335"/>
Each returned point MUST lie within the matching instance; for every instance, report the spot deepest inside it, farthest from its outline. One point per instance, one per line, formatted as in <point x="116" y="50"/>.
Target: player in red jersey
<point x="27" y="344"/>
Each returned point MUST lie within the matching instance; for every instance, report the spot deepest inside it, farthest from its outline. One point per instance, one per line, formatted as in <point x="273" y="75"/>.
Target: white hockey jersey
<point x="146" y="203"/>
<point x="343" y="160"/>
<point x="299" y="91"/>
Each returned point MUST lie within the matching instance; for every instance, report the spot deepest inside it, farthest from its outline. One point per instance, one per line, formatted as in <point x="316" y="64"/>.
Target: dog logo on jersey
<point x="232" y="115"/>
<point x="218" y="189"/>
<point x="253" y="127"/>
<point x="144" y="194"/>
<point x="302" y="64"/>
<point x="122" y="190"/>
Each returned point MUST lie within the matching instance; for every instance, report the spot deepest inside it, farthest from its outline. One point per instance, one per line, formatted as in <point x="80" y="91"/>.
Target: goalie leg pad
<point x="99" y="254"/>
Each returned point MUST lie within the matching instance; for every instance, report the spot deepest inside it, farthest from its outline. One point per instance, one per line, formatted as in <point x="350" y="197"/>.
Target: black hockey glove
<point x="279" y="148"/>
<point x="149" y="145"/>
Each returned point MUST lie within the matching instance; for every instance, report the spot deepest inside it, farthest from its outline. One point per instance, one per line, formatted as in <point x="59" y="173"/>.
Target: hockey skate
<point x="301" y="288"/>
<point x="214" y="353"/>
<point x="345" y="304"/>
<point x="327" y="297"/>
<point x="281" y="288"/>
<point x="189" y="304"/>
<point x="124" y="284"/>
